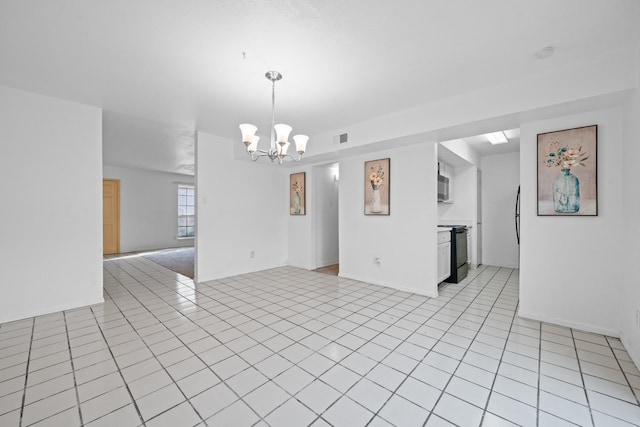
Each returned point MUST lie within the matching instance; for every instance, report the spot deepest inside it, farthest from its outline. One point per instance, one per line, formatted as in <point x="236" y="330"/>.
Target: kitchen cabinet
<point x="444" y="253"/>
<point x="471" y="265"/>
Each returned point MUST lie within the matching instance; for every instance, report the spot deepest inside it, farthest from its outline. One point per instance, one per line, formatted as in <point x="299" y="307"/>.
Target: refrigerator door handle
<point x="518" y="216"/>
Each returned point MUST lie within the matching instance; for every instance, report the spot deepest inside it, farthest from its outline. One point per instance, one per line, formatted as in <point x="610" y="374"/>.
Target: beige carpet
<point x="180" y="260"/>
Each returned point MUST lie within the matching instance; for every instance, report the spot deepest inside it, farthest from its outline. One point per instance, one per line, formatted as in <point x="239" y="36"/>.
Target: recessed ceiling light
<point x="544" y="53"/>
<point x="497" y="138"/>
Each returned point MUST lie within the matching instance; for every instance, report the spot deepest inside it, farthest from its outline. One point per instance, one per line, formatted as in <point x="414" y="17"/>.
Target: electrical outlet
<point x="252" y="254"/>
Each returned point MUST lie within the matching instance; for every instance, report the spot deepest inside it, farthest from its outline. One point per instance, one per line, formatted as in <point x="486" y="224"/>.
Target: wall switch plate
<point x="252" y="254"/>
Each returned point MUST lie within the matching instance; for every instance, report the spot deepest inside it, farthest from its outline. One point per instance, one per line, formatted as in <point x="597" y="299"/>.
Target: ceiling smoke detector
<point x="544" y="53"/>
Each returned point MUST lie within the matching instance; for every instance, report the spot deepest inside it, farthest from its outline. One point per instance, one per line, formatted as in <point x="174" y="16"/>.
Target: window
<point x="186" y="211"/>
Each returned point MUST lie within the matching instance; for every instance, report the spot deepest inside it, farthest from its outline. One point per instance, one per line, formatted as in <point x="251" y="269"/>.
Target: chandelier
<point x="279" y="133"/>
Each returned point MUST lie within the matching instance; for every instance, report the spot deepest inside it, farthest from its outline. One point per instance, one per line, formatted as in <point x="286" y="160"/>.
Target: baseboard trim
<point x="14" y="317"/>
<point x="303" y="266"/>
<point x="569" y="324"/>
<point x="634" y="357"/>
<point x="235" y="272"/>
<point x="390" y="285"/>
<point x="326" y="263"/>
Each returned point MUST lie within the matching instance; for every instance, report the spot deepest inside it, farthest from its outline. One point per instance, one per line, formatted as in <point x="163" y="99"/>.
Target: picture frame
<point x="377" y="178"/>
<point x="567" y="169"/>
<point x="297" y="194"/>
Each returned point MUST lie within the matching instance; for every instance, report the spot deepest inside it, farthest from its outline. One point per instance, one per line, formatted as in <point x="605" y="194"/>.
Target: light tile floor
<point x="289" y="347"/>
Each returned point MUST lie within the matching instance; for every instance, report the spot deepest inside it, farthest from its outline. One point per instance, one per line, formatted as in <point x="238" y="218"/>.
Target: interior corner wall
<point x="242" y="207"/>
<point x="630" y="259"/>
<point x="570" y="266"/>
<point x="51" y="227"/>
<point x="500" y="176"/>
<point x="300" y="238"/>
<point x="148" y="208"/>
<point x="405" y="240"/>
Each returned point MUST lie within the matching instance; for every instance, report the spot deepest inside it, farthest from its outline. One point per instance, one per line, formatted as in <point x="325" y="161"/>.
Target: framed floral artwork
<point x="567" y="172"/>
<point x="376" y="187"/>
<point x="297" y="192"/>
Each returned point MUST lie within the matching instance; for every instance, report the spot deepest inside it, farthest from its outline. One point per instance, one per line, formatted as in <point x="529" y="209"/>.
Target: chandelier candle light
<point x="279" y="133"/>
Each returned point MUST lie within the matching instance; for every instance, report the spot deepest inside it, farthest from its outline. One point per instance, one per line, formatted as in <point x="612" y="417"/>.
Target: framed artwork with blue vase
<point x="568" y="172"/>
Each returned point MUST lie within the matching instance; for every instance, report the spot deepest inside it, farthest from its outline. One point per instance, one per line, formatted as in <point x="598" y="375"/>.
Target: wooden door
<point x="110" y="216"/>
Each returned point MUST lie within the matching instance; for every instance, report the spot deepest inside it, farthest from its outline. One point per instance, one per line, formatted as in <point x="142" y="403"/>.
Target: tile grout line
<point x="73" y="370"/>
<point x="194" y="354"/>
<point x="429" y="350"/>
<point x="137" y="297"/>
<point x="504" y="349"/>
<point x="467" y="349"/>
<point x="378" y="363"/>
<point x="26" y="376"/>
<point x="155" y="357"/>
<point x="573" y="348"/>
<point x="393" y="392"/>
<point x="367" y="341"/>
<point x="135" y="405"/>
<point x="312" y="332"/>
<point x="250" y="364"/>
<point x="390" y="307"/>
<point x="584" y="386"/>
<point x="313" y="351"/>
<point x="232" y="296"/>
<point x="624" y="373"/>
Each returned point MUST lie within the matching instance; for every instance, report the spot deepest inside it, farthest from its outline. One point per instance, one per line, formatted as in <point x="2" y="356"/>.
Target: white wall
<point x="313" y="237"/>
<point x="465" y="115"/>
<point x="242" y="206"/>
<point x="462" y="150"/>
<point x="570" y="267"/>
<point x="500" y="180"/>
<point x="405" y="241"/>
<point x="301" y="246"/>
<point x="630" y="244"/>
<point x="148" y="208"/>
<point x="51" y="220"/>
<point x="327" y="215"/>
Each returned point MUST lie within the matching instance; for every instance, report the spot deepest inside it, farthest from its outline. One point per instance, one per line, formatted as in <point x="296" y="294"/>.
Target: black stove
<point x="459" y="261"/>
<point x="456" y="226"/>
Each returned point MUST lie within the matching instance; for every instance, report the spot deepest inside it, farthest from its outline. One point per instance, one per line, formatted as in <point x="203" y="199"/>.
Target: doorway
<point x="110" y="216"/>
<point x="484" y="178"/>
<point x="326" y="216"/>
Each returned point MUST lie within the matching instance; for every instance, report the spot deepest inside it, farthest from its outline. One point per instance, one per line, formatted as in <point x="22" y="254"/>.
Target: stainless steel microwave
<point x="443" y="188"/>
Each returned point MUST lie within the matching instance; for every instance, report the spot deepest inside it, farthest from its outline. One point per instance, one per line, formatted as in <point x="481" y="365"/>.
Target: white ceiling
<point x="181" y="63"/>
<point x="141" y="143"/>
